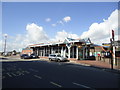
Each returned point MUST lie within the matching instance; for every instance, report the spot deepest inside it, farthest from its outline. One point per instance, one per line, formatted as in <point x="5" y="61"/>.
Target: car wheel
<point x="58" y="60"/>
<point x="50" y="59"/>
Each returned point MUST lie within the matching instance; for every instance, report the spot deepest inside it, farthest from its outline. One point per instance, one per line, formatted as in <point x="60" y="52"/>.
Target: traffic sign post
<point x="113" y="35"/>
<point x="111" y="49"/>
<point x="111" y="53"/>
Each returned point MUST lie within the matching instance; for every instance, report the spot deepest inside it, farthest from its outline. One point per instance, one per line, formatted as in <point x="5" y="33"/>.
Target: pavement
<point x="92" y="63"/>
<point x="97" y="64"/>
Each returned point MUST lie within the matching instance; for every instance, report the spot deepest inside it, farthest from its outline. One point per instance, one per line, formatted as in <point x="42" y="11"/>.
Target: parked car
<point x="25" y="56"/>
<point x="57" y="57"/>
<point x="91" y="58"/>
<point x="34" y="56"/>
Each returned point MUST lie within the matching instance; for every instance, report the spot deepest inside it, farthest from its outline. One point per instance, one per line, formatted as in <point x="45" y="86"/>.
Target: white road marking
<point x="19" y="73"/>
<point x="55" y="84"/>
<point x="81" y="85"/>
<point x="38" y="76"/>
<point x="14" y="74"/>
<point x="27" y="72"/>
<point x="9" y="74"/>
<point x="33" y="70"/>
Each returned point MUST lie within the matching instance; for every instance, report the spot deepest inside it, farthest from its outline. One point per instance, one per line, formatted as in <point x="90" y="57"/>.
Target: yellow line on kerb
<point x="55" y="84"/>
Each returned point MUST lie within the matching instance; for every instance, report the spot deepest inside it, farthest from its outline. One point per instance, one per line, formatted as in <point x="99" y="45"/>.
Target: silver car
<point x="57" y="57"/>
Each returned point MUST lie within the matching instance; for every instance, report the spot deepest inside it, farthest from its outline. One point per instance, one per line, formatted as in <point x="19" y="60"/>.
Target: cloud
<point x="97" y="32"/>
<point x="101" y="32"/>
<point x="58" y="23"/>
<point x="11" y="43"/>
<point x="61" y="22"/>
<point x="61" y="35"/>
<point x="67" y="19"/>
<point x="34" y="34"/>
<point x="53" y="25"/>
<point x="2" y="40"/>
<point x="5" y="35"/>
<point x="1" y="45"/>
<point x="48" y="19"/>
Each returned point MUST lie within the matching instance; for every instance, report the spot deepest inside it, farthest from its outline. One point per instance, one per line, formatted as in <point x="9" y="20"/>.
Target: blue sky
<point x="17" y="15"/>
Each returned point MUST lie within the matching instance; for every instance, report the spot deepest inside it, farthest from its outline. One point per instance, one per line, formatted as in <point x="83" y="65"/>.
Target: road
<point x="46" y="74"/>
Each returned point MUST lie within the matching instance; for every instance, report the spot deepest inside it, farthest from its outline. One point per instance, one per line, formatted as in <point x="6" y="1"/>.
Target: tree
<point x="14" y="52"/>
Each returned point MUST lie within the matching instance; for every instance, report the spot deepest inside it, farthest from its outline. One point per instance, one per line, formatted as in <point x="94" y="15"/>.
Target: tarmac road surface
<point x="45" y="74"/>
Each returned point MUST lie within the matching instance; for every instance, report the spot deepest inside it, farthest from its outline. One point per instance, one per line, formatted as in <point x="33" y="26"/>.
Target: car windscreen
<point x="58" y="56"/>
<point x="24" y="55"/>
<point x="53" y="55"/>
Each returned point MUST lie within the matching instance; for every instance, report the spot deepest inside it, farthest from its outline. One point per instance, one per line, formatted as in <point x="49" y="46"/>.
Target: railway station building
<point x="77" y="49"/>
<point x="70" y="48"/>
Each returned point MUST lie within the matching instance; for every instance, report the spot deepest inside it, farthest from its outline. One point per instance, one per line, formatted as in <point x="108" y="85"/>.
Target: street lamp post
<point x="5" y="44"/>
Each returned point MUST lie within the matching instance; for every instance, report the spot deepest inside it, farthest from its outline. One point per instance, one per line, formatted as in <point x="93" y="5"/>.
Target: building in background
<point x="27" y="50"/>
<point x="77" y="49"/>
<point x="70" y="48"/>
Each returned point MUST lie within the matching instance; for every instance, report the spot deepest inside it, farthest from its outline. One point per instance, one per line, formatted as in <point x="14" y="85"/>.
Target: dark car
<point x="25" y="56"/>
<point x="33" y="56"/>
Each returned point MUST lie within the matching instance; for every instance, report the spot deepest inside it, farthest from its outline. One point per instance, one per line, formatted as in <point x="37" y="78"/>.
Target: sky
<point x="28" y="23"/>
